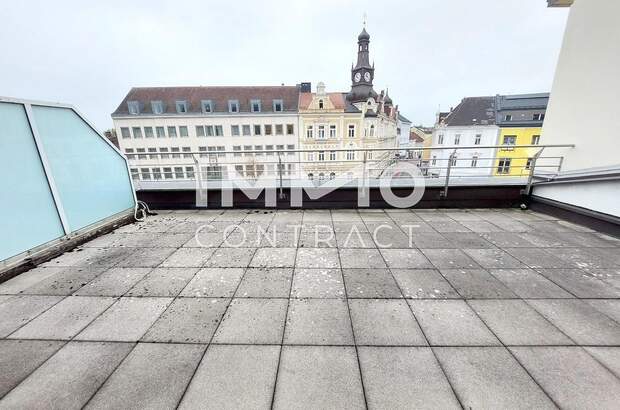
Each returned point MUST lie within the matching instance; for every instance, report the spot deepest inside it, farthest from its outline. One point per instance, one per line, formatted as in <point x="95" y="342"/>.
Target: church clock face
<point x="367" y="76"/>
<point x="358" y="77"/>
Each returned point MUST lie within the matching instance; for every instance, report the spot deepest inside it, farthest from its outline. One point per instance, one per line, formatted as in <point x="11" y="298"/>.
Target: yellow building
<point x="520" y="118"/>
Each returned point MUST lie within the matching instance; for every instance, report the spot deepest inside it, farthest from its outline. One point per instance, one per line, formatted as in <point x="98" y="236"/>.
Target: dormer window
<point x="233" y="105"/>
<point x="321" y="104"/>
<point x="508" y="117"/>
<point x="181" y="107"/>
<point x="133" y="107"/>
<point x="207" y="106"/>
<point x="278" y="105"/>
<point x="157" y="107"/>
<point x="255" y="105"/>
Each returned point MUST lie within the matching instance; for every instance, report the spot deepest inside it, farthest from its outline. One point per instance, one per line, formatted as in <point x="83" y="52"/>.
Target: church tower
<point x="363" y="73"/>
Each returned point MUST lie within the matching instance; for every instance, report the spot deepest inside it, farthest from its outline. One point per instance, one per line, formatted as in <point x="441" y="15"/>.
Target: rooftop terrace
<point x="490" y="308"/>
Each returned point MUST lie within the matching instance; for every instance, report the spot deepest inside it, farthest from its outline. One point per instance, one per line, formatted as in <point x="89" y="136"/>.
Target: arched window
<point x="372" y="130"/>
<point x="311" y="176"/>
<point x="332" y="175"/>
<point x="321" y="176"/>
<point x="321" y="104"/>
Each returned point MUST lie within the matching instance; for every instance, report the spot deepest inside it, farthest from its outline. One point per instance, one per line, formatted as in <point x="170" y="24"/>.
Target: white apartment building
<point x="470" y="124"/>
<point x="158" y="128"/>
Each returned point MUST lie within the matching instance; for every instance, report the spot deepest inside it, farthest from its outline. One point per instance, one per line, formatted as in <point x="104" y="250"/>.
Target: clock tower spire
<point x="363" y="73"/>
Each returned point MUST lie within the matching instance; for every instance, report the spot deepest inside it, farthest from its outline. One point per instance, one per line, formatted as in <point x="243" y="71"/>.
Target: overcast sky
<point x="428" y="53"/>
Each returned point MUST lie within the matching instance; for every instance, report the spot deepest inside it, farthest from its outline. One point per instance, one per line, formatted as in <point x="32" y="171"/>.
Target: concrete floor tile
<point x="570" y="376"/>
<point x="146" y="258"/>
<point x="529" y="284"/>
<point x="274" y="258"/>
<point x="253" y="321"/>
<point x="370" y="283"/>
<point x="393" y="238"/>
<point x="317" y="258"/>
<point x="610" y="307"/>
<point x="451" y="323"/>
<point x="494" y="258"/>
<point x="234" y="377"/>
<point x="584" y="258"/>
<point x="514" y="322"/>
<point x="537" y="258"/>
<point x="318" y="322"/>
<point x="480" y="226"/>
<point x="317" y="283"/>
<point x="279" y="239"/>
<point x="69" y="378"/>
<point x="384" y="322"/>
<point x="580" y="283"/>
<point x="405" y="259"/>
<point x="65" y="319"/>
<point x="322" y="239"/>
<point x="65" y="282"/>
<point x="214" y="283"/>
<point x="476" y="284"/>
<point x="113" y="282"/>
<point x="188" y="320"/>
<point x="168" y="282"/>
<point x="507" y="240"/>
<point x="608" y="357"/>
<point x="424" y="284"/>
<point x="265" y="283"/>
<point x="153" y="376"/>
<point x="467" y="240"/>
<point x="230" y="258"/>
<point x="449" y="258"/>
<point x="355" y="239"/>
<point x="126" y="321"/>
<point x="361" y="258"/>
<point x="27" y="279"/>
<point x="19" y="310"/>
<point x="404" y="378"/>
<point x="19" y="358"/>
<point x="430" y="240"/>
<point x="609" y="276"/>
<point x="318" y="377"/>
<point x="188" y="258"/>
<point x="580" y="321"/>
<point x="490" y="378"/>
<point x="449" y="226"/>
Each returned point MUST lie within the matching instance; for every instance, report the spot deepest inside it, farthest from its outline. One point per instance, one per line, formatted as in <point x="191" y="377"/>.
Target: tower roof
<point x="363" y="35"/>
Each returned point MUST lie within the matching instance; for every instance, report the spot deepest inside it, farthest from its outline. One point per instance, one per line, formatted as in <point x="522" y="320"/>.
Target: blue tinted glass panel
<point x="28" y="216"/>
<point x="91" y="177"/>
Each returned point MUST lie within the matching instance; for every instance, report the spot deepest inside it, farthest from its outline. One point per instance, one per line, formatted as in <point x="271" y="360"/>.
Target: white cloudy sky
<point x="428" y="52"/>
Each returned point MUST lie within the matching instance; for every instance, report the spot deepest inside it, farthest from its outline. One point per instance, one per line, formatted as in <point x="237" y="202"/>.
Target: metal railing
<point x="442" y="166"/>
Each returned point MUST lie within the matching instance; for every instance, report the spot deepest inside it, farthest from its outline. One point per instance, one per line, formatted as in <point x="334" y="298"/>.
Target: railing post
<point x="201" y="197"/>
<point x="530" y="178"/>
<point x="281" y="195"/>
<point x="444" y="194"/>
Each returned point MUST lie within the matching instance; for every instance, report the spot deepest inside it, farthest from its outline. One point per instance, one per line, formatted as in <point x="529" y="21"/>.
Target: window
<point x="246" y="130"/>
<point x="239" y="169"/>
<point x="161" y="132"/>
<point x="268" y="129"/>
<point x="201" y="150"/>
<point x="508" y="117"/>
<point x="183" y="131"/>
<point x="189" y="171"/>
<point x="255" y="105"/>
<point x="207" y="106"/>
<point x="137" y="132"/>
<point x="172" y="132"/>
<point x="146" y="173"/>
<point x="258" y="148"/>
<point x="153" y="156"/>
<point x="148" y="132"/>
<point x="233" y="106"/>
<point x="309" y="132"/>
<point x="332" y="131"/>
<point x="200" y="131"/>
<point x="350" y="155"/>
<point x="310" y="176"/>
<point x="434" y="161"/>
<point x="209" y="130"/>
<point x="129" y="153"/>
<point x="219" y="131"/>
<point x="125" y="133"/>
<point x="133" y="107"/>
<point x="181" y="107"/>
<point x="528" y="164"/>
<point x="310" y="156"/>
<point x="321" y="104"/>
<point x="163" y="153"/>
<point x="175" y="152"/>
<point x="141" y="153"/>
<point x="474" y="161"/>
<point x="167" y="173"/>
<point x="236" y="148"/>
<point x="156" y="173"/>
<point x="453" y="159"/>
<point x="220" y="151"/>
<point x="440" y="139"/>
<point x="187" y="149"/>
<point x="321" y="176"/>
<point x="157" y="107"/>
<point x="477" y="139"/>
<point x="280" y="148"/>
<point x="372" y="131"/>
<point x="535" y="139"/>
<point x="214" y="172"/>
<point x="332" y="155"/>
<point x="134" y="173"/>
<point x="332" y="175"/>
<point x="538" y="117"/>
<point x="457" y="139"/>
<point x="278" y="106"/>
<point x="321" y="155"/>
<point x="509" y="140"/>
<point x="234" y="130"/>
<point x="269" y="148"/>
<point x="290" y="148"/>
<point x="290" y="129"/>
<point x="351" y="130"/>
<point x="178" y="172"/>
<point x="321" y="132"/>
<point x="503" y="167"/>
<point x="257" y="130"/>
<point x="279" y="129"/>
<point x="247" y="148"/>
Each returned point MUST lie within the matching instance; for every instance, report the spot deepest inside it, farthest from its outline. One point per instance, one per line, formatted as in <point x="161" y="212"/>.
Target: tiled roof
<point x="337" y="99"/>
<point x="473" y="111"/>
<point x="219" y="96"/>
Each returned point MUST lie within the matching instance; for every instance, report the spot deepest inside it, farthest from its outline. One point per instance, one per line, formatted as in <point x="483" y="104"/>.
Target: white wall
<point x="583" y="107"/>
<point x="603" y="196"/>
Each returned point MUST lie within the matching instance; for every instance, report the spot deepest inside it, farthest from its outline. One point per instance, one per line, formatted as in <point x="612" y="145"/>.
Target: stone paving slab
<point x="423" y="284"/>
<point x="167" y="282"/>
<point x="370" y="283"/>
<point x="318" y="283"/>
<point x="113" y="282"/>
<point x="265" y="283"/>
<point x="16" y="311"/>
<point x="527" y="283"/>
<point x="214" y="282"/>
<point x="253" y="321"/>
<point x="318" y="322"/>
<point x="476" y="284"/>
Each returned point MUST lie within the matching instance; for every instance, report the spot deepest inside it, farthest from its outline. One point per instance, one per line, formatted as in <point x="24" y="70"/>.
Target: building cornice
<point x="559" y="3"/>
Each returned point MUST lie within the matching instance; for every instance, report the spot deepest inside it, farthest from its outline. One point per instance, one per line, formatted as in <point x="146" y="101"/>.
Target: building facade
<point x="520" y="118"/>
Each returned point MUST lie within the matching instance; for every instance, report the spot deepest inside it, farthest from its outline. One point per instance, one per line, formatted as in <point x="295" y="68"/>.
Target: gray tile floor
<point x="388" y="309"/>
